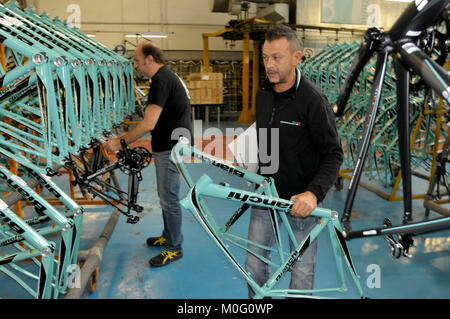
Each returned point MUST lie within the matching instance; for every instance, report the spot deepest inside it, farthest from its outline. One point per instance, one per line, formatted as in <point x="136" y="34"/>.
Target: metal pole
<point x="245" y="115"/>
<point x="94" y="257"/>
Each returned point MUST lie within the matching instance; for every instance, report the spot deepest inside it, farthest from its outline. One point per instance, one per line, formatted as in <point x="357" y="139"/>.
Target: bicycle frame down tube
<point x="340" y="251"/>
<point x="375" y="97"/>
<point x="362" y="57"/>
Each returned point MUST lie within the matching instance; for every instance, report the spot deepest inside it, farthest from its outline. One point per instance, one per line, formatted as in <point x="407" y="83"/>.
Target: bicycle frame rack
<point x="61" y="92"/>
<point x="328" y="70"/>
<point x="412" y="54"/>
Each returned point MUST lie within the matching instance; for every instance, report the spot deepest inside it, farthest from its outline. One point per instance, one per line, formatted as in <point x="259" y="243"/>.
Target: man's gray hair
<point x="279" y="31"/>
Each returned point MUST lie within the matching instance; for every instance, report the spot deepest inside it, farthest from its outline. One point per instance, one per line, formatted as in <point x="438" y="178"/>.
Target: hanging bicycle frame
<point x="64" y="225"/>
<point x="401" y="41"/>
<point x="77" y="98"/>
<point x="61" y="92"/>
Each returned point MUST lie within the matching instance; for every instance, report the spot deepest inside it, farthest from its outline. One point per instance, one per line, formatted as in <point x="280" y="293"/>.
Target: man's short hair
<point x="154" y="51"/>
<point x="279" y="31"/>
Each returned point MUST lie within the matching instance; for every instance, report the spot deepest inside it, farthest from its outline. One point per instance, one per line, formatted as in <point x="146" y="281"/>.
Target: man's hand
<point x="304" y="204"/>
<point x="112" y="145"/>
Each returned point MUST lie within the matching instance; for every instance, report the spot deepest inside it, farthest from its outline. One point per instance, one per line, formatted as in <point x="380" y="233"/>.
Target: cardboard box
<point x="205" y="76"/>
<point x="195" y="96"/>
<point x="208" y="68"/>
<point x="205" y="88"/>
<point x="195" y="84"/>
<point x="217" y="96"/>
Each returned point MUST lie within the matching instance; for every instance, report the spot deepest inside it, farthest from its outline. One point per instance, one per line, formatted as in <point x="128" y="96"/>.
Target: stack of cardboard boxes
<point x="205" y="88"/>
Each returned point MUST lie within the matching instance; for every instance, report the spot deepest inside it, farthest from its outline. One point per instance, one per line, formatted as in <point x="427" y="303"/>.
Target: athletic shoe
<point x="165" y="258"/>
<point x="156" y="241"/>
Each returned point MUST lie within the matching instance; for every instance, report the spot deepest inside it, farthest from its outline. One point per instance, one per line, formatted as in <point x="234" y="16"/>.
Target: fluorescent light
<point x="90" y="35"/>
<point x="401" y="0"/>
<point x="138" y="35"/>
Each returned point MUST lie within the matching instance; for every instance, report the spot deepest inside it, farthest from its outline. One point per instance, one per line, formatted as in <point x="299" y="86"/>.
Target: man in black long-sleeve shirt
<point x="298" y="118"/>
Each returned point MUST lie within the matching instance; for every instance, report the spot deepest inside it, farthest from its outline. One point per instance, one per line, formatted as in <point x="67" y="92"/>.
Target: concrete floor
<point x="205" y="273"/>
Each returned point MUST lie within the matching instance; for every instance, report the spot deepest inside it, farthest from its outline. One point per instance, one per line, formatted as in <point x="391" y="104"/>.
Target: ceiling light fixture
<point x="151" y="35"/>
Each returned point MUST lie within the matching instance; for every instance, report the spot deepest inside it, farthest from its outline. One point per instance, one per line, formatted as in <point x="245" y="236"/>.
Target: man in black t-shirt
<point x="167" y="117"/>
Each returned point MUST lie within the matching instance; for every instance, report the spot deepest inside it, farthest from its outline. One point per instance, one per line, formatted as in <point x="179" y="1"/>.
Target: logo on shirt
<point x="291" y="123"/>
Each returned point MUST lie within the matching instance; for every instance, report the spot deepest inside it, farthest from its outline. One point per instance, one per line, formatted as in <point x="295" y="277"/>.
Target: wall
<point x="310" y="13"/>
<point x="111" y="20"/>
<point x="186" y="20"/>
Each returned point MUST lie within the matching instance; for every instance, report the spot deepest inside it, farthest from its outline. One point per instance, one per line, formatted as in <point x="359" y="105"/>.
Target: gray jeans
<point x="168" y="186"/>
<point x="260" y="231"/>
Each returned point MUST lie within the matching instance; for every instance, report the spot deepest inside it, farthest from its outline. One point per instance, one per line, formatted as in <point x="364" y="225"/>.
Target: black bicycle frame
<point x="401" y="42"/>
<point x="131" y="160"/>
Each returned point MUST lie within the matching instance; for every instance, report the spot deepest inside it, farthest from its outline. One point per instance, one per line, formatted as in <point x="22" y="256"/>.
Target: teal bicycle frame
<point x="118" y="67"/>
<point x="75" y="213"/>
<point x="34" y="245"/>
<point x="79" y="98"/>
<point x="265" y="196"/>
<point x="63" y="224"/>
